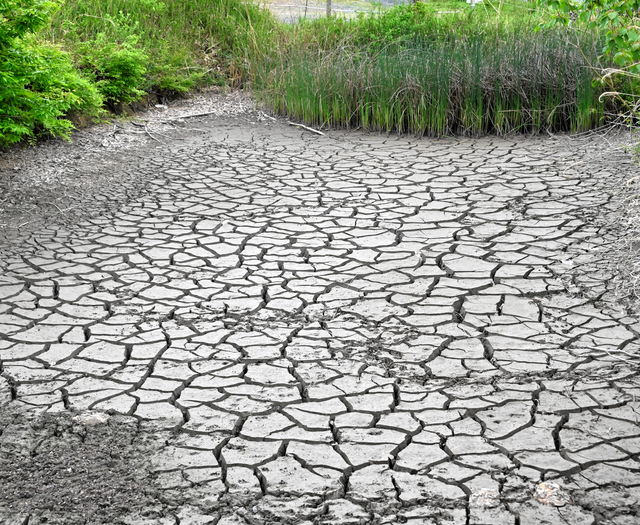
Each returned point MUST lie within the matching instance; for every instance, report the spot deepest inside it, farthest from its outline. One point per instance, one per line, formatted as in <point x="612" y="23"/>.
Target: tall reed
<point x="475" y="84"/>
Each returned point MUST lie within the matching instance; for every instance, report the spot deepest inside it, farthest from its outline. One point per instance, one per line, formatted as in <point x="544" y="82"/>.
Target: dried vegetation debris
<point x="628" y="278"/>
<point x="608" y="268"/>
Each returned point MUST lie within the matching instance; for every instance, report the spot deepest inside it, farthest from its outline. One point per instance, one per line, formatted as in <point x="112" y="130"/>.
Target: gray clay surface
<point x="257" y="324"/>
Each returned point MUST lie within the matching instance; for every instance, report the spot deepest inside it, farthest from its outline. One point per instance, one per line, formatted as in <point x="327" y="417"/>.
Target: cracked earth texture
<point x="349" y="329"/>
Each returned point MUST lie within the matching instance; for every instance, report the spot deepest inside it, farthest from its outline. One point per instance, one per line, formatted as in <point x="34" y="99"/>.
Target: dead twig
<point x="571" y="166"/>
<point x="65" y="210"/>
<point x="305" y="127"/>
<point x="194" y="115"/>
<point x="149" y="133"/>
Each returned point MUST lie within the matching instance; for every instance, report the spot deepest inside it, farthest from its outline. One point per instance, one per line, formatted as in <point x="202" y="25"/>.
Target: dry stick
<point x="187" y="116"/>
<point x="149" y="133"/>
<point x="162" y="134"/>
<point x="94" y="16"/>
<point x="571" y="166"/>
<point x="66" y="209"/>
<point x="305" y="127"/>
<point x="267" y="116"/>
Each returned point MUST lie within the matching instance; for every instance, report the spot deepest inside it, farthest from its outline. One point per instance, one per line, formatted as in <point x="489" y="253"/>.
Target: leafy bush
<point x="38" y="83"/>
<point x="405" y="22"/>
<point x="186" y="43"/>
<point x="117" y="70"/>
<point x="618" y="20"/>
<point x="415" y="22"/>
<point x="19" y="18"/>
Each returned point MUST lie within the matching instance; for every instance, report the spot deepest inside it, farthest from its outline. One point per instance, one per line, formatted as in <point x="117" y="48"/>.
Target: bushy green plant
<point x="117" y="70"/>
<point x="19" y="18"/>
<point x="405" y="22"/>
<point x="38" y="83"/>
<point x="415" y="22"/>
<point x="187" y="43"/>
<point x="618" y="20"/>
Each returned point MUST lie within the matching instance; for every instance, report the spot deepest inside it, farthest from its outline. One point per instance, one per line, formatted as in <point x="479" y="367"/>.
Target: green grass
<point x="431" y="20"/>
<point x="186" y="44"/>
<point x="413" y="69"/>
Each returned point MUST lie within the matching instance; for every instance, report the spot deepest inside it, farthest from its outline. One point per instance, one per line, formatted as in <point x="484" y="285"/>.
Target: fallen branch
<point x="571" y="166"/>
<point x="65" y="210"/>
<point x="305" y="127"/>
<point x="194" y="115"/>
<point x="267" y="116"/>
<point x="149" y="133"/>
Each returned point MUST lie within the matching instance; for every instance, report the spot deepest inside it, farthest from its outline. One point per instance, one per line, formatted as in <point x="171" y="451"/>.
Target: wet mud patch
<point x="58" y="468"/>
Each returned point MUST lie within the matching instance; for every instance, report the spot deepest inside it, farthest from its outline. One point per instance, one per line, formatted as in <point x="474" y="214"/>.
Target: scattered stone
<point x="551" y="494"/>
<point x="92" y="418"/>
<point x="485" y="498"/>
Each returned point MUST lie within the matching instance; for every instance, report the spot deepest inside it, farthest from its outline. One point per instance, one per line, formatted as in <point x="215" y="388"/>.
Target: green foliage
<point x="121" y="49"/>
<point x="402" y="23"/>
<point x="418" y="22"/>
<point x="433" y="67"/>
<point x="38" y="83"/>
<point x="187" y="44"/>
<point x="471" y="85"/>
<point x="117" y="70"/>
<point x="19" y="18"/>
<point x="40" y="86"/>
<point x="618" y="20"/>
<point x="423" y="69"/>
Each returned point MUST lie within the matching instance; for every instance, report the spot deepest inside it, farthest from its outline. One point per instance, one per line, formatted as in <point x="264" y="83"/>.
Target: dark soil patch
<point x="54" y="469"/>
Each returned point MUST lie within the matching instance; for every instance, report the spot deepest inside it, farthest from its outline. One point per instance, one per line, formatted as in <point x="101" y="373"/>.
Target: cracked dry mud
<point x="349" y="329"/>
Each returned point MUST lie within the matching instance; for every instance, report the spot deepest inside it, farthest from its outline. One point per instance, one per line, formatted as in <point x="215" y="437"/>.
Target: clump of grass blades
<point x="523" y="82"/>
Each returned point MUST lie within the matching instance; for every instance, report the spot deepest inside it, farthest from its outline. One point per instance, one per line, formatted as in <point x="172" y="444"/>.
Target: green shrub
<point x="19" y="18"/>
<point x="416" y="22"/>
<point x="117" y="70"/>
<point x="187" y="43"/>
<point x="405" y="22"/>
<point x="38" y="83"/>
